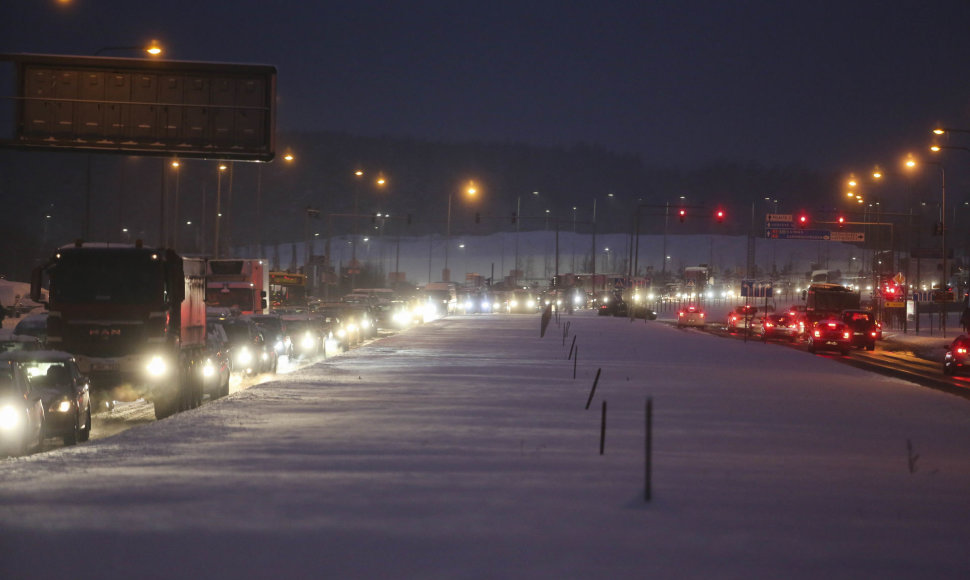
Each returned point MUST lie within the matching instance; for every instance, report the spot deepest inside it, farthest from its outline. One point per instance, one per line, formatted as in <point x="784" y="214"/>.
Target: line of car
<point x="839" y="332"/>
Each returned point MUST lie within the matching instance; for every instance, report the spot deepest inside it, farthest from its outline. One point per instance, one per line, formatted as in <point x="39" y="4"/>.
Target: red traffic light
<point x="841" y="222"/>
<point x="719" y="216"/>
<point x="803" y="221"/>
<point x="683" y="214"/>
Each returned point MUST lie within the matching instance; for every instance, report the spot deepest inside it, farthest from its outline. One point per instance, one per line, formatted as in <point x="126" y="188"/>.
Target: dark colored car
<point x="780" y="327"/>
<point x="865" y="330"/>
<point x="306" y="336"/>
<point x="21" y="411"/>
<point x="274" y="329"/>
<point x="830" y="334"/>
<point x="957" y="355"/>
<point x="217" y="368"/>
<point x="65" y="392"/>
<point x="251" y="352"/>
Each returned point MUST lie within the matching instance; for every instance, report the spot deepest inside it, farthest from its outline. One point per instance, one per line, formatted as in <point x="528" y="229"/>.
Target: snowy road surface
<point x="461" y="449"/>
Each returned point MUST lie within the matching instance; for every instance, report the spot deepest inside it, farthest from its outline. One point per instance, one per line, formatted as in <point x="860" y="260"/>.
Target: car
<point x="21" y="411"/>
<point x="780" y="327"/>
<point x="865" y="330"/>
<point x="830" y="334"/>
<point x="691" y="316"/>
<point x="217" y="368"/>
<point x="744" y="318"/>
<point x="64" y="390"/>
<point x="523" y="302"/>
<point x="306" y="335"/>
<point x="33" y="325"/>
<point x="252" y="353"/>
<point x="957" y="357"/>
<point x="274" y="330"/>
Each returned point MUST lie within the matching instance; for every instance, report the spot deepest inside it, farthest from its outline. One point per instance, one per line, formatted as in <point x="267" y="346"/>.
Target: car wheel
<point x="85" y="433"/>
<point x="75" y="434"/>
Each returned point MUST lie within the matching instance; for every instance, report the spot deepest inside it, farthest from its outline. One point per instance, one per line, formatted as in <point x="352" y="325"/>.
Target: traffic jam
<point x="124" y="334"/>
<point x="129" y="334"/>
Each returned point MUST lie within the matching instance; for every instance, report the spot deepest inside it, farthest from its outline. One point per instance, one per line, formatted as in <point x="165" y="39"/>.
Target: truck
<point x="825" y="300"/>
<point x="240" y="285"/>
<point x="133" y="316"/>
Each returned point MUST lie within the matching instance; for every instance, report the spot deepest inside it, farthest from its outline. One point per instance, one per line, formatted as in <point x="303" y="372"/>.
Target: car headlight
<point x="245" y="356"/>
<point x="530" y="304"/>
<point x="208" y="368"/>
<point x="63" y="406"/>
<point x="280" y="346"/>
<point x="157" y="366"/>
<point x="514" y="304"/>
<point x="341" y="333"/>
<point x="308" y="341"/>
<point x="365" y="324"/>
<point x="9" y="417"/>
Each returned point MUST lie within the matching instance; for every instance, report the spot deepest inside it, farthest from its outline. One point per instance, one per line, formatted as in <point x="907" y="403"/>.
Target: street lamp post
<point x="216" y="249"/>
<point x="175" y="213"/>
<point x="945" y="277"/>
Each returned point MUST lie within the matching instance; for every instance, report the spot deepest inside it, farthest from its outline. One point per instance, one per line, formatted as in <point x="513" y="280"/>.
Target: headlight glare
<point x="9" y="417"/>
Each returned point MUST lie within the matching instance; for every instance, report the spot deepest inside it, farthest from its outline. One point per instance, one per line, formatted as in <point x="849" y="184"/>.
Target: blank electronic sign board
<point x="140" y="106"/>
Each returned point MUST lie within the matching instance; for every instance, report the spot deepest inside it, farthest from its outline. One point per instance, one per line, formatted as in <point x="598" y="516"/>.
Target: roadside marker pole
<point x="593" y="390"/>
<point x="648" y="452"/>
<point x="603" y="429"/>
<point x="571" y="347"/>
<point x="575" y="360"/>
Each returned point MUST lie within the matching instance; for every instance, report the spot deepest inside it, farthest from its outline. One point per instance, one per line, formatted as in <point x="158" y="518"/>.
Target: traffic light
<point x="841" y="222"/>
<point x="803" y="221"/>
<point x="683" y="215"/>
<point x="719" y="216"/>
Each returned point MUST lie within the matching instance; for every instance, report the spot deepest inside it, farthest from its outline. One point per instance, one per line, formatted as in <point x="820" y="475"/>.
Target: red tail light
<point x="832" y="325"/>
<point x="961" y="350"/>
<point x="818" y="334"/>
<point x="702" y="315"/>
<point x="873" y="334"/>
<point x="768" y="325"/>
<point x="846" y="335"/>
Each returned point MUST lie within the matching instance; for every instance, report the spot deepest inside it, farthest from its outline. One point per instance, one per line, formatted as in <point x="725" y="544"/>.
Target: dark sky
<point x="828" y="85"/>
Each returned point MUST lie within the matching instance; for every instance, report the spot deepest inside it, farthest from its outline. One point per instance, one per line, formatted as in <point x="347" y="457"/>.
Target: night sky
<point x="826" y="85"/>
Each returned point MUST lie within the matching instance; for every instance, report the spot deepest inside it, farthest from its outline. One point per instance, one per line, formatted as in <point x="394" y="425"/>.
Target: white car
<point x="691" y="316"/>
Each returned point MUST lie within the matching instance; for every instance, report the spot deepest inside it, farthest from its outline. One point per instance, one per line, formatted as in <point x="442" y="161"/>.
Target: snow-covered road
<point x="461" y="449"/>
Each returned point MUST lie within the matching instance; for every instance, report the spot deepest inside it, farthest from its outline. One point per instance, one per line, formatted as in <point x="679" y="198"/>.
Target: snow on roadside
<point x="462" y="449"/>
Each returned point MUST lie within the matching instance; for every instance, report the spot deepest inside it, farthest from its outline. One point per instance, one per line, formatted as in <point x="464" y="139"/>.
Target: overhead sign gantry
<point x="141" y="107"/>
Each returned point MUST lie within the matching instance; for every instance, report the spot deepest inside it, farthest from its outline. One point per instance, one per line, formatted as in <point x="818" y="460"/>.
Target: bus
<point x="287" y="290"/>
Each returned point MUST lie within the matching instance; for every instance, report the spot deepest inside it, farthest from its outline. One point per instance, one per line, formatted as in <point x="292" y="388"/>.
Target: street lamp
<point x="176" y="166"/>
<point x="222" y="167"/>
<point x="153" y="48"/>
<point x="911" y="164"/>
<point x="471" y="191"/>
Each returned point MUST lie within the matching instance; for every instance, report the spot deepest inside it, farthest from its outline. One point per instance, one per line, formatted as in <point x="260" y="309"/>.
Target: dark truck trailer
<point x="133" y="316"/>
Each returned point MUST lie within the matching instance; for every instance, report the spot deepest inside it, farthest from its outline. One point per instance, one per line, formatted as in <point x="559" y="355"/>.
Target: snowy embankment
<point x="462" y="449"/>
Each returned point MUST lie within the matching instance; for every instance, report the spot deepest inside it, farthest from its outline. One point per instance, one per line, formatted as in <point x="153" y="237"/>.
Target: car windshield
<point x="237" y="332"/>
<point x="55" y="376"/>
